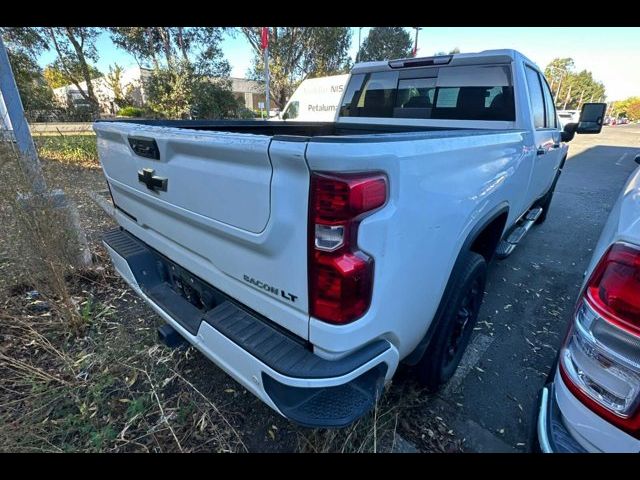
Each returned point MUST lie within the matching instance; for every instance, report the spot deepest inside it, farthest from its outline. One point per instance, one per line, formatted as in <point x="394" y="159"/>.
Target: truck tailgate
<point x="229" y="207"/>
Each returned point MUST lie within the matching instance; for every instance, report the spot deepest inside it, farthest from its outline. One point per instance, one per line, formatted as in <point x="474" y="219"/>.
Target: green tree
<point x="190" y="73"/>
<point x="171" y="47"/>
<point x="34" y="91"/>
<point x="122" y="95"/>
<point x="626" y="108"/>
<point x="181" y="92"/>
<point x="296" y="53"/>
<point x="385" y="43"/>
<point x="74" y="48"/>
<point x="56" y="76"/>
<point x="572" y="89"/>
<point x="451" y="52"/>
<point x="633" y="111"/>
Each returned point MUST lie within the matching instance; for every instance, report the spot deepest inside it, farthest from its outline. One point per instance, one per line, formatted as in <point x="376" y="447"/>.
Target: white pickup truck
<point x="592" y="401"/>
<point x="308" y="260"/>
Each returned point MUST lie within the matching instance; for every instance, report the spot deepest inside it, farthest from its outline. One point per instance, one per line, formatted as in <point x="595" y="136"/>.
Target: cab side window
<point x="535" y="97"/>
<point x="550" y="109"/>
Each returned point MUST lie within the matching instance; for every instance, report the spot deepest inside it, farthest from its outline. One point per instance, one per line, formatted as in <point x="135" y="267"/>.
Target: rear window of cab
<point x="455" y="93"/>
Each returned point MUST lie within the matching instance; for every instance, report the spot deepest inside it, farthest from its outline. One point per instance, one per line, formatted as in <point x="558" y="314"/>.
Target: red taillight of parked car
<point x="340" y="275"/>
<point x="600" y="360"/>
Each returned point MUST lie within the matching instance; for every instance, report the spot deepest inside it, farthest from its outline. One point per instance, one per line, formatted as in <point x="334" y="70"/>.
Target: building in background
<point x="131" y="83"/>
<point x="249" y="92"/>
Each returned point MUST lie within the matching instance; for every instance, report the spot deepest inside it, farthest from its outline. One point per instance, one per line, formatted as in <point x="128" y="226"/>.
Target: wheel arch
<point x="481" y="236"/>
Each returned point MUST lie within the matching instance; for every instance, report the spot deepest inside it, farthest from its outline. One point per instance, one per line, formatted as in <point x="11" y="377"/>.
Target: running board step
<point x="534" y="214"/>
<point x="508" y="245"/>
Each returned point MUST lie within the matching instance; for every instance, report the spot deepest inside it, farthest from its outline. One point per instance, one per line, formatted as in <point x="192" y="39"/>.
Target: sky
<point x="611" y="54"/>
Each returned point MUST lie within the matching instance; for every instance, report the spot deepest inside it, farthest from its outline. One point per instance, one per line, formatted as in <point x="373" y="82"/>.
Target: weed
<point x="78" y="149"/>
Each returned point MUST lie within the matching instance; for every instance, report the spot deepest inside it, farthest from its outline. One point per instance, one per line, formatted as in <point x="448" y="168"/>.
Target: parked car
<point x="315" y="100"/>
<point x="307" y="259"/>
<point x="592" y="402"/>
<point x="568" y="116"/>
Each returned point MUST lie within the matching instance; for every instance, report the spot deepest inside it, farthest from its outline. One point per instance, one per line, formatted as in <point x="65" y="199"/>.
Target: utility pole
<point x="415" y="48"/>
<point x="359" y="44"/>
<point x="265" y="47"/>
<point x="18" y="123"/>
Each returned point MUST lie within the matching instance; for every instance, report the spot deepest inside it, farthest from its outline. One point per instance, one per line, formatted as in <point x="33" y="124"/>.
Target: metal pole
<point x="18" y="122"/>
<point x="266" y="73"/>
<point x="415" y="48"/>
<point x="359" y="45"/>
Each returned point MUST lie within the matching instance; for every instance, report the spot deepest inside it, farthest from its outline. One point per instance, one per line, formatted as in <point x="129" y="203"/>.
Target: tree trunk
<point x="84" y="67"/>
<point x="89" y="95"/>
<point x="183" y="48"/>
<point x="165" y="36"/>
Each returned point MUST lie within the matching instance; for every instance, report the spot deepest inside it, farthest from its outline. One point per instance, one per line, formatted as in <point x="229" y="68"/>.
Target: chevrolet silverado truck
<point x="307" y="260"/>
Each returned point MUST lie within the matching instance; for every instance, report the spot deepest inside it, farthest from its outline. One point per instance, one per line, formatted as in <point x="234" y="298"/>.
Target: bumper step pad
<point x="281" y="351"/>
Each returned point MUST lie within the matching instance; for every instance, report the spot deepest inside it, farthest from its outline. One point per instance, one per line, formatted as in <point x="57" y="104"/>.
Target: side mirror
<point x="568" y="132"/>
<point x="638" y="159"/>
<point x="591" y="118"/>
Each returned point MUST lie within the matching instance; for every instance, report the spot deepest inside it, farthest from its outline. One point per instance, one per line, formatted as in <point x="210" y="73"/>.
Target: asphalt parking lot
<point x="491" y="402"/>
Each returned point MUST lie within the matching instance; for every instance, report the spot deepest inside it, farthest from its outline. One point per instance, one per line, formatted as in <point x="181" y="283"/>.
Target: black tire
<point x="455" y="325"/>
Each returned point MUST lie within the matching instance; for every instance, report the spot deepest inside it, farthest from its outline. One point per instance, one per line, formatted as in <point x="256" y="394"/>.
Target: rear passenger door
<point x="546" y="134"/>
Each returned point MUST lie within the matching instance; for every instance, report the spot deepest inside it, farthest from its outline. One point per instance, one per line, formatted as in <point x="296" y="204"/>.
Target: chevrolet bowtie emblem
<point x="153" y="182"/>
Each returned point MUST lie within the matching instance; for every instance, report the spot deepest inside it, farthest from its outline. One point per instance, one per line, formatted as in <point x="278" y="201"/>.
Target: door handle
<point x="540" y="151"/>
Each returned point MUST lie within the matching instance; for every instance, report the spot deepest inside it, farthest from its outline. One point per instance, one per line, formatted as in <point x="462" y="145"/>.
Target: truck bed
<point x="309" y="131"/>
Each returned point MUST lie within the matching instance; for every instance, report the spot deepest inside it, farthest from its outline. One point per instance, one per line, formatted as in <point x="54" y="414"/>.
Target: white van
<point x="315" y="100"/>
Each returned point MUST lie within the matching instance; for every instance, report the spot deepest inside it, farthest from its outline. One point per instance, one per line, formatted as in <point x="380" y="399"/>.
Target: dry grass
<point x="43" y="239"/>
<point x="73" y="377"/>
<point x="81" y="368"/>
<point x="113" y="389"/>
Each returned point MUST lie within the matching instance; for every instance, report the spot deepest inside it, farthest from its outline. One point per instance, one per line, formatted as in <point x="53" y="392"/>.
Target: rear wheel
<point x="455" y="326"/>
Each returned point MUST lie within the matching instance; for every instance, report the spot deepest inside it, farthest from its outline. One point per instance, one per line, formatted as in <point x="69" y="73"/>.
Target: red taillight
<point x="340" y="198"/>
<point x="600" y="360"/>
<point x="614" y="287"/>
<point x="341" y="276"/>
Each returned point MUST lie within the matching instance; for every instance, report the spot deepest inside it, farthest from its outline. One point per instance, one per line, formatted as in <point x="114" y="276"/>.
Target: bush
<point x="245" y="113"/>
<point x="131" y="112"/>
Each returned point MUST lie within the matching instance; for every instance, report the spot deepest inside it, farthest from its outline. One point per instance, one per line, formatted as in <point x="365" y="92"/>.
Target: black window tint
<point x="352" y="93"/>
<point x="377" y="96"/>
<point x="416" y="93"/>
<point x="535" y="96"/>
<point x="457" y="93"/>
<point x="415" y="98"/>
<point x="292" y="110"/>
<point x="550" y="108"/>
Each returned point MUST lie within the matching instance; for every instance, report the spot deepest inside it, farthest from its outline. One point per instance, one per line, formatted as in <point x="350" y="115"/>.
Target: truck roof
<point x="456" y="59"/>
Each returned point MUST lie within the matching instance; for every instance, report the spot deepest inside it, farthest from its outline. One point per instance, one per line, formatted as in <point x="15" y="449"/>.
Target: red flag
<point x="265" y="38"/>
